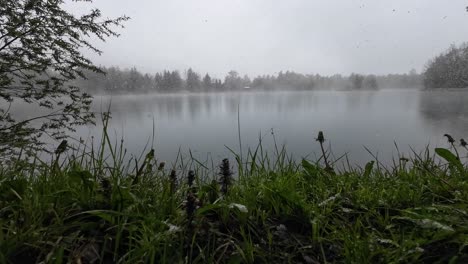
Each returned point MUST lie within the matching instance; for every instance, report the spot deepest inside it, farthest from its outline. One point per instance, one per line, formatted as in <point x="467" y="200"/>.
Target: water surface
<point x="207" y="123"/>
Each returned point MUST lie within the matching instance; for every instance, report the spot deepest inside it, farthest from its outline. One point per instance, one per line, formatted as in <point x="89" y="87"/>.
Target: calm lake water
<point x="207" y="123"/>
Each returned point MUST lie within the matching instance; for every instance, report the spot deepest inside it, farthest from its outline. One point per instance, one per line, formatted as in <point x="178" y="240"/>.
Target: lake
<point x="206" y="124"/>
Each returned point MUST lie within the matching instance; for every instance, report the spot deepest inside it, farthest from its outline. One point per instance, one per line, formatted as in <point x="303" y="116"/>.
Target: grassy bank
<point x="93" y="208"/>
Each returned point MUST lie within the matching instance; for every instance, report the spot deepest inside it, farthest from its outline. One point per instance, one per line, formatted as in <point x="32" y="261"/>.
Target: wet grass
<point x="90" y="207"/>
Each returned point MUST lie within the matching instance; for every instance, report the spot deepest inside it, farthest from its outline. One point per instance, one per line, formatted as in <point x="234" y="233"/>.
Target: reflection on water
<point x="206" y="123"/>
<point x="446" y="109"/>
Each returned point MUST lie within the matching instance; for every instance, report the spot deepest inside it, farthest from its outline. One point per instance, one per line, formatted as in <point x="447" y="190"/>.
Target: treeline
<point x="131" y="80"/>
<point x="449" y="69"/>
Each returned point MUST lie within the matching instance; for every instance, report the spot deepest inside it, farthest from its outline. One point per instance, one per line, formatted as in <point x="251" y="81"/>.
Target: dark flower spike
<point x="161" y="166"/>
<point x="225" y="173"/>
<point x="191" y="178"/>
<point x="404" y="159"/>
<point x="320" y="138"/>
<point x="150" y="155"/>
<point x="463" y="143"/>
<point x="173" y="179"/>
<point x="61" y="148"/>
<point x="449" y="138"/>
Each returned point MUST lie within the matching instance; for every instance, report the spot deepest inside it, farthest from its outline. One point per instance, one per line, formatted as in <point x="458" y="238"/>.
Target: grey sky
<point x="266" y="36"/>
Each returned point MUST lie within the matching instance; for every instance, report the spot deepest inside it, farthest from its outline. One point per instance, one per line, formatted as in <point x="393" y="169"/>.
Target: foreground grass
<point x="93" y="209"/>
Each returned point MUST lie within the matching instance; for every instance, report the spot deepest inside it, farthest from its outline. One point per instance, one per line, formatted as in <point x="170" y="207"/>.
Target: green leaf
<point x="450" y="158"/>
<point x="59" y="255"/>
<point x="310" y="168"/>
<point x="210" y="208"/>
<point x="81" y="178"/>
<point x="107" y="215"/>
<point x="368" y="168"/>
<point x="235" y="259"/>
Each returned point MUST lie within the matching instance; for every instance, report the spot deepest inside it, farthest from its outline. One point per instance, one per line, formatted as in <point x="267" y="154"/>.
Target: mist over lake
<point x="207" y="124"/>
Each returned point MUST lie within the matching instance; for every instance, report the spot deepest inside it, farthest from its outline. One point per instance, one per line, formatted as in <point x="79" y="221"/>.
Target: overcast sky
<point x="266" y="36"/>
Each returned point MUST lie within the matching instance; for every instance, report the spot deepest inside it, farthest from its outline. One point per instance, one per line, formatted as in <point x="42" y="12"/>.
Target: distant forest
<point x="449" y="69"/>
<point x="131" y="80"/>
